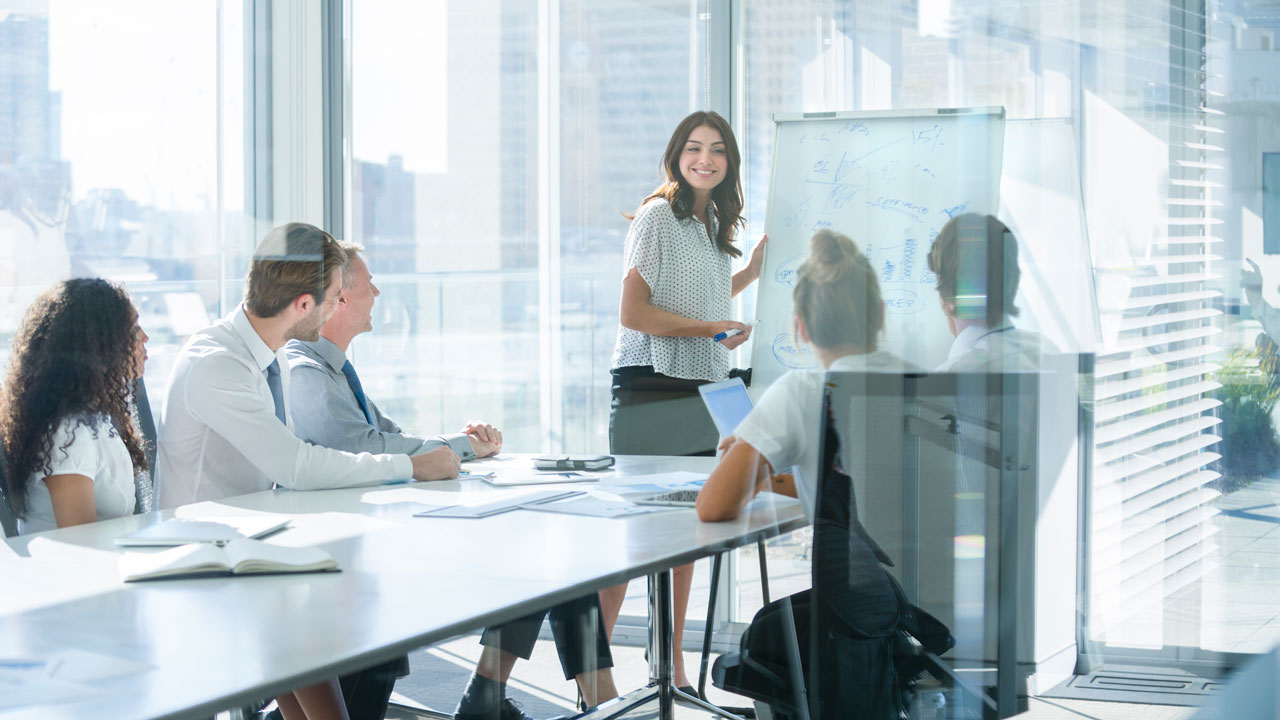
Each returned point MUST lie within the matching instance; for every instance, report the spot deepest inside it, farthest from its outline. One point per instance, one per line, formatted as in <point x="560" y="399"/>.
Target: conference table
<point x="200" y="645"/>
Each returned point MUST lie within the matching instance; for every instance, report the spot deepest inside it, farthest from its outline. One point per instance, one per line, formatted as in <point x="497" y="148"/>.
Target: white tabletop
<point x="406" y="582"/>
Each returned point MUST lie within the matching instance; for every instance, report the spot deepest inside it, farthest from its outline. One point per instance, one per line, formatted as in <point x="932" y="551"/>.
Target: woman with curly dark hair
<point x="65" y="409"/>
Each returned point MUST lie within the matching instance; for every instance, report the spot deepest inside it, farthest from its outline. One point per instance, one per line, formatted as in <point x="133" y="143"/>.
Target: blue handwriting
<point x="790" y="355"/>
<point x="902" y="302"/>
<point x="906" y="207"/>
<point x="855" y="126"/>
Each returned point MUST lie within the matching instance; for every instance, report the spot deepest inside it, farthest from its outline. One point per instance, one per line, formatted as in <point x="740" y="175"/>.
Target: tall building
<point x="28" y="110"/>
<point x="384" y="213"/>
<point x="30" y="116"/>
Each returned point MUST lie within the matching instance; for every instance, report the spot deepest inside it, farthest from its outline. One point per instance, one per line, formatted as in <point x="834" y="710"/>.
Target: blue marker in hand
<point x="727" y="334"/>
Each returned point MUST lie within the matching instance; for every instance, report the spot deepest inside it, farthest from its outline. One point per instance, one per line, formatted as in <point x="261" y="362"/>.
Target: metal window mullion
<point x="220" y="130"/>
<point x="297" y="108"/>
<point x="721" y="44"/>
<point x="259" y="181"/>
<point x="333" y="107"/>
<point x="549" y="334"/>
<point x="720" y="56"/>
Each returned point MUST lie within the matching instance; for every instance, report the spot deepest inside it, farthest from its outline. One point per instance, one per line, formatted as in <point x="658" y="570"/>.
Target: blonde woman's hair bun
<point x="831" y="255"/>
<point x="837" y="294"/>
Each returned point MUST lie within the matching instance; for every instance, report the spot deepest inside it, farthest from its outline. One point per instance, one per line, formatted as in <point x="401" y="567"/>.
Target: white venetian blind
<point x="1154" y="441"/>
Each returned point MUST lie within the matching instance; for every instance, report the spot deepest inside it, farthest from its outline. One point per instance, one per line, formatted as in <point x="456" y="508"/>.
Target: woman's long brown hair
<point x="726" y="198"/>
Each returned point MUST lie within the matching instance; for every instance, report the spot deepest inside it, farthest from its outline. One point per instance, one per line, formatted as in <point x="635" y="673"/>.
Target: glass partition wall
<point x="1122" y="102"/>
<point x="490" y="149"/>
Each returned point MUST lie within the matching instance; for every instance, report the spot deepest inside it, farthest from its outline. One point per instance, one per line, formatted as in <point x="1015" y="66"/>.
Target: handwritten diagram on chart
<point x="889" y="182"/>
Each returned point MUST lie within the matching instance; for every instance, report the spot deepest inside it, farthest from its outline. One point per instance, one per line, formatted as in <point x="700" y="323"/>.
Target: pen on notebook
<point x="728" y="334"/>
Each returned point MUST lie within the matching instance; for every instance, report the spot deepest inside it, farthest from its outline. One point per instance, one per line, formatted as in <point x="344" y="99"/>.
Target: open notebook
<point x="238" y="557"/>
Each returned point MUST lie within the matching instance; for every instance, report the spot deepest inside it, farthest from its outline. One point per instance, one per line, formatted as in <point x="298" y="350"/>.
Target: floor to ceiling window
<point x="492" y="148"/>
<point x="122" y="156"/>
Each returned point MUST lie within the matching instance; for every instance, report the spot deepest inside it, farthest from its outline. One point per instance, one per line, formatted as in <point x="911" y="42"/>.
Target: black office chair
<point x="867" y="643"/>
<point x="850" y="618"/>
<point x="7" y="520"/>
<point x="144" y="485"/>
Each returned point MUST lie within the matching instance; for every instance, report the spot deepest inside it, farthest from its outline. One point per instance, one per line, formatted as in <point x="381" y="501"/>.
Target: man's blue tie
<point x="277" y="394"/>
<point x="354" y="382"/>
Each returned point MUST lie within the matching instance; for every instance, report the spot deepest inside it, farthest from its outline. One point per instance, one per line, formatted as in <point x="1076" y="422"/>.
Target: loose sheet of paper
<point x="666" y="481"/>
<point x="308" y="529"/>
<point x="595" y="506"/>
<point x="390" y="496"/>
<point x="22" y="687"/>
<point x="59" y="677"/>
<point x="637" y="486"/>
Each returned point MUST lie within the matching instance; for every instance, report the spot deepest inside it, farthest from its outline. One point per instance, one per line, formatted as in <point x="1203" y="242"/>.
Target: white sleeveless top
<point x="687" y="276"/>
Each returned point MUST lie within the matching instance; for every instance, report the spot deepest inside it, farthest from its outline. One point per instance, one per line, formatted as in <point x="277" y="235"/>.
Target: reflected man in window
<point x="1265" y="312"/>
<point x="975" y="258"/>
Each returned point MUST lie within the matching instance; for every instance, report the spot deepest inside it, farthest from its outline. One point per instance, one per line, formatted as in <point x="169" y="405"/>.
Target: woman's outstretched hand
<point x="756" y="263"/>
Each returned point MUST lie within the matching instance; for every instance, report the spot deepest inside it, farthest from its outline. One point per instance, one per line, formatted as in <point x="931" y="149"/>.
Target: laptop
<point x="728" y="403"/>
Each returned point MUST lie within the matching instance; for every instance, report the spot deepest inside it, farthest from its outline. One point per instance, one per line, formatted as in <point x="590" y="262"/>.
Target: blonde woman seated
<point x="839" y="313"/>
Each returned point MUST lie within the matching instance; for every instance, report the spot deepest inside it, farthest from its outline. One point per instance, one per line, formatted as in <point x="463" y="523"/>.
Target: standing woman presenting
<point x="676" y="291"/>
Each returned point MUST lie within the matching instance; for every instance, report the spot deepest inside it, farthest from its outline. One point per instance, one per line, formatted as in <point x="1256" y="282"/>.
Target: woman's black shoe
<point x="688" y="690"/>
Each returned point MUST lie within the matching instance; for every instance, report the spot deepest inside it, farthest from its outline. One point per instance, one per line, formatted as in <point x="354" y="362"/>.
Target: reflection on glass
<point x="113" y="169"/>
<point x="1128" y="171"/>
<point x="445" y="180"/>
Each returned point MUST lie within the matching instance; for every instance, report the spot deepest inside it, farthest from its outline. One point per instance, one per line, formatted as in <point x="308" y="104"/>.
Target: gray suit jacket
<point x="326" y="412"/>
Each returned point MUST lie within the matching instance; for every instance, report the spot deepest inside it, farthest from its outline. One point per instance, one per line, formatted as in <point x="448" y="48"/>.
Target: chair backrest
<point x="7" y="522"/>
<point x="144" y="483"/>
<point x="926" y="456"/>
<point x="855" y="609"/>
<point x="146" y="421"/>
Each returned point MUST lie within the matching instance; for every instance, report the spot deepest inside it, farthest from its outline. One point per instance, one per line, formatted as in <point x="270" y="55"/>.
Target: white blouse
<point x="687" y="276"/>
<point x="94" y="450"/>
<point x="786" y="425"/>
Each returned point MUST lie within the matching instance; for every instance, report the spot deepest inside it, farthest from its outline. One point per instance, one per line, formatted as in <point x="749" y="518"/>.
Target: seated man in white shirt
<point x="227" y="424"/>
<point x="334" y="411"/>
<point x="975" y="258"/>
